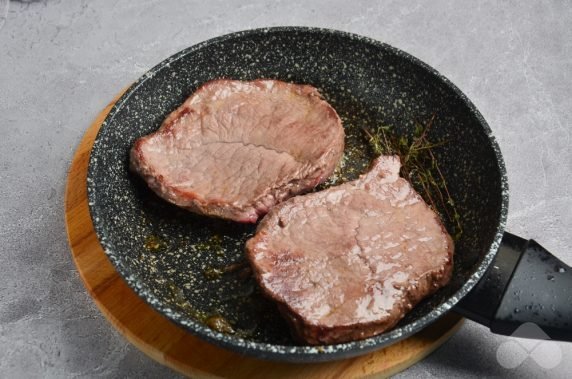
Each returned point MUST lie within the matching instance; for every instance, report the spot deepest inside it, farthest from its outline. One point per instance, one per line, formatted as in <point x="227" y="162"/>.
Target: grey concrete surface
<point x="62" y="61"/>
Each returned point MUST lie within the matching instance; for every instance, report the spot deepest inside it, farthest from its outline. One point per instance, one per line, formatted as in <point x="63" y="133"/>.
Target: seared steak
<point x="348" y="262"/>
<point x="234" y="149"/>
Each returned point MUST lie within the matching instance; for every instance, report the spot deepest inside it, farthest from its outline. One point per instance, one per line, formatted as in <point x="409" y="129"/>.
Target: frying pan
<point x="179" y="262"/>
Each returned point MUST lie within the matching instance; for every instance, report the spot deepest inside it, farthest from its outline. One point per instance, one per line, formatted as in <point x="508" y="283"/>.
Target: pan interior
<point x="174" y="258"/>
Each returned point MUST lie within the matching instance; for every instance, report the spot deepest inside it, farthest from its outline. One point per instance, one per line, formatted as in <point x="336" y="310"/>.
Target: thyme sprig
<point x="420" y="166"/>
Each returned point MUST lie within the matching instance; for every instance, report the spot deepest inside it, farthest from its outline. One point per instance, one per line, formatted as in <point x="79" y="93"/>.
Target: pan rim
<point x="286" y="352"/>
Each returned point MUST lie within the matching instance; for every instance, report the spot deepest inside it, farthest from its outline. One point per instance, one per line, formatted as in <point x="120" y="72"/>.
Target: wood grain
<point x="171" y="345"/>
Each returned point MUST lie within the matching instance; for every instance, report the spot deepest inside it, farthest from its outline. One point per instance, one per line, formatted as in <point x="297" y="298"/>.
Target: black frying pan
<point x="179" y="262"/>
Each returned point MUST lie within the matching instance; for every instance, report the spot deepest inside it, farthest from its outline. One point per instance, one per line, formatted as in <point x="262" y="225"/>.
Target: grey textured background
<point x="62" y="61"/>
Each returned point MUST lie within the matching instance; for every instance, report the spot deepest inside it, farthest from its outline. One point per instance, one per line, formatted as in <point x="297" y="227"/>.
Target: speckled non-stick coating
<point x="168" y="256"/>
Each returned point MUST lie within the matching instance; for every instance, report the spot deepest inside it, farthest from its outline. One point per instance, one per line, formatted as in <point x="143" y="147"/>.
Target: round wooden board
<point x="174" y="347"/>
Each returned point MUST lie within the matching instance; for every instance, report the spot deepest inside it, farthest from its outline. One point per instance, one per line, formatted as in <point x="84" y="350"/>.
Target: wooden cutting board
<point x="174" y="347"/>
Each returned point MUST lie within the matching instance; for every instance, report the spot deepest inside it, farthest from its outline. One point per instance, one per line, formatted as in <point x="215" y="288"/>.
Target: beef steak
<point x="348" y="262"/>
<point x="235" y="148"/>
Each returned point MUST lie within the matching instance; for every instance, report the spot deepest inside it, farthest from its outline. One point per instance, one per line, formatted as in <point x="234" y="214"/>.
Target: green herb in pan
<point x="420" y="166"/>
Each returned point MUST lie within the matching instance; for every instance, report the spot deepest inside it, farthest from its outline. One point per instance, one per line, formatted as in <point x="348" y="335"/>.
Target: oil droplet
<point x="219" y="324"/>
<point x="215" y="273"/>
<point x="213" y="244"/>
<point x="561" y="270"/>
<point x="179" y="297"/>
<point x="516" y="310"/>
<point x="212" y="273"/>
<point x="154" y="243"/>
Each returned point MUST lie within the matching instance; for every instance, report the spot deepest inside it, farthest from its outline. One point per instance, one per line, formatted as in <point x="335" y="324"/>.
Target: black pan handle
<point x="524" y="284"/>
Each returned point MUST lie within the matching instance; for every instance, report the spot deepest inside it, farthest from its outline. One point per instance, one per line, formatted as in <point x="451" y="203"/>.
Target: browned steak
<point x="234" y="148"/>
<point x="347" y="263"/>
